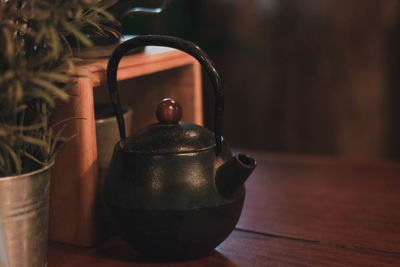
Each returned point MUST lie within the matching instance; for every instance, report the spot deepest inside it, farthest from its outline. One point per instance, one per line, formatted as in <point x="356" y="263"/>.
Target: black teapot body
<point x="167" y="207"/>
<point x="174" y="190"/>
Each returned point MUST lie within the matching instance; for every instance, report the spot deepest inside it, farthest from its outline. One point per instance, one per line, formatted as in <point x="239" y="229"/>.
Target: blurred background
<point x="300" y="76"/>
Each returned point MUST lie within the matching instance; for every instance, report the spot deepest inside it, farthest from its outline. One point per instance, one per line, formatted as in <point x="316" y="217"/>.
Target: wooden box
<point x="144" y="79"/>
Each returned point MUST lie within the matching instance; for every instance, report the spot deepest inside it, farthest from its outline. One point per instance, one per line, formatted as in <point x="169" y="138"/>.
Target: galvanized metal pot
<point x="24" y="208"/>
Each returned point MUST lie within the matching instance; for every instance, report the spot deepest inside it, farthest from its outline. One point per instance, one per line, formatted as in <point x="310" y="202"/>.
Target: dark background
<point x="300" y="76"/>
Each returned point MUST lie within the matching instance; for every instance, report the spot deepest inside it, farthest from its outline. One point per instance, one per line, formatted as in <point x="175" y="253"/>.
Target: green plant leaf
<point x="55" y="153"/>
<point x="34" y="44"/>
<point x="51" y="88"/>
<point x="32" y="140"/>
<point x="55" y="42"/>
<point x="67" y="47"/>
<point x="7" y="76"/>
<point x="39" y="93"/>
<point x="40" y="34"/>
<point x="105" y="13"/>
<point x="31" y="127"/>
<point x="69" y="86"/>
<point x="16" y="160"/>
<point x="33" y="158"/>
<point x="66" y="120"/>
<point x="9" y="45"/>
<point x="19" y="92"/>
<point x="2" y="164"/>
<point x="54" y="76"/>
<point x="97" y="26"/>
<point x="3" y="133"/>
<point x="78" y="35"/>
<point x="21" y="108"/>
<point x="56" y="138"/>
<point x="42" y="14"/>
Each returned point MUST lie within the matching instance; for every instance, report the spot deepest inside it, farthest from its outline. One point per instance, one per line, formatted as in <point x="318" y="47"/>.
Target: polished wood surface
<point x="299" y="211"/>
<point x="347" y="203"/>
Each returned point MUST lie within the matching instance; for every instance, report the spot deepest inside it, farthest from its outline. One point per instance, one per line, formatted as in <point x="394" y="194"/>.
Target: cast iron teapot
<point x="174" y="190"/>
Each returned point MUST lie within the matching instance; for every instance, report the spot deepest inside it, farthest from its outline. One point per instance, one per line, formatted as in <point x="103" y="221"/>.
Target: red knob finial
<point x="169" y="111"/>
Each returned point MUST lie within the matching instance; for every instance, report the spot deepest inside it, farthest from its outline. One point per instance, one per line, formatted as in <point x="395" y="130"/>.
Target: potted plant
<point x="35" y="38"/>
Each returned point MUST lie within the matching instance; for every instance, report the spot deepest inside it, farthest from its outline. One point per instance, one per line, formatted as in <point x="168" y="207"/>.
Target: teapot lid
<point x="169" y="135"/>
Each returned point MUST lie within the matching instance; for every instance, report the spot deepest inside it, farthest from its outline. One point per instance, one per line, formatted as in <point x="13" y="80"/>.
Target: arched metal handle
<point x="173" y="42"/>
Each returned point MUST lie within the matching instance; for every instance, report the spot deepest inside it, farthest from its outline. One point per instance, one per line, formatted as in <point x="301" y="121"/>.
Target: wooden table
<point x="299" y="211"/>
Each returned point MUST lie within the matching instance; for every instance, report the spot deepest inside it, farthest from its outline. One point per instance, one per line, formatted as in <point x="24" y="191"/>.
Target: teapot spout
<point x="232" y="174"/>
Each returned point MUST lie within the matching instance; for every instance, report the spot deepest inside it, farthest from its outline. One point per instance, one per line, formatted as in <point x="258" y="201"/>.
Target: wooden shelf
<point x="144" y="79"/>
